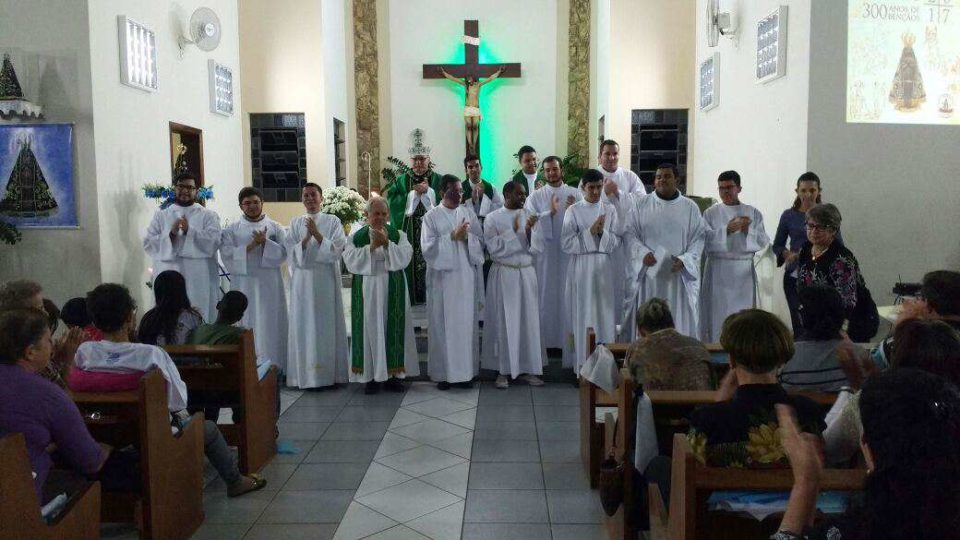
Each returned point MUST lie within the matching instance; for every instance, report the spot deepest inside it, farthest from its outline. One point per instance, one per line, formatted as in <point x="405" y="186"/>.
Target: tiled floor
<point x="473" y="464"/>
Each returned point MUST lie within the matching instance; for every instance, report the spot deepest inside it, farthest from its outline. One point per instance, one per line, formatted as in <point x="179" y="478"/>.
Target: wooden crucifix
<point x="468" y="75"/>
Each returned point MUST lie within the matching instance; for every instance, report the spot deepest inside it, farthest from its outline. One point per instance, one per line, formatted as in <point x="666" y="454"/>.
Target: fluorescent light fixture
<point x="709" y="91"/>
<point x="138" y="55"/>
<point x="221" y="88"/>
<point x="772" y="45"/>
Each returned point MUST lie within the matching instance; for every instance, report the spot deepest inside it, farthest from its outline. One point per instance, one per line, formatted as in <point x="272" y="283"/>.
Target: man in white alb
<point x="184" y="237"/>
<point x="382" y="345"/>
<point x="591" y="232"/>
<point x="620" y="187"/>
<point x="666" y="233"/>
<point x="317" y="353"/>
<point x="482" y="198"/>
<point x="511" y="341"/>
<point x="734" y="234"/>
<point x="452" y="241"/>
<point x="550" y="204"/>
<point x="253" y="250"/>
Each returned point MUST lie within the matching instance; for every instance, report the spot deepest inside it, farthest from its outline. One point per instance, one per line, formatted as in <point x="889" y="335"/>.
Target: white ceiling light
<point x="221" y="88"/>
<point x="138" y="55"/>
<point x="772" y="46"/>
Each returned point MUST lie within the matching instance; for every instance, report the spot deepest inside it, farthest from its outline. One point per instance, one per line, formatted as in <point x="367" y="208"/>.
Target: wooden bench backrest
<point x="254" y="432"/>
<point x="691" y="481"/>
<point x="19" y="512"/>
<point x="171" y="467"/>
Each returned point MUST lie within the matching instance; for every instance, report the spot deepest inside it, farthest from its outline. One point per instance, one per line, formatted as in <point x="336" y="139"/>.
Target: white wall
<point x="49" y="41"/>
<point x="132" y="133"/>
<point x="651" y="61"/>
<point x="515" y="111"/>
<point x="896" y="185"/>
<point x="282" y="71"/>
<point x="760" y="130"/>
<point x="600" y="83"/>
<point x="333" y="33"/>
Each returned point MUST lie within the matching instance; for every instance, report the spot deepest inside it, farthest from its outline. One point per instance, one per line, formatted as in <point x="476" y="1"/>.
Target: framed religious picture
<point x="36" y="176"/>
<point x="709" y="72"/>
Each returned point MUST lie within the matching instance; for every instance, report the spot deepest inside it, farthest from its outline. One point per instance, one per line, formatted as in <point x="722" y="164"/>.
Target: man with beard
<point x="184" y="237"/>
<point x="253" y="250"/>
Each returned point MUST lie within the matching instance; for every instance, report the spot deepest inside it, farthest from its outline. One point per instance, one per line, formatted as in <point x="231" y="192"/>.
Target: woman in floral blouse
<point x="824" y="260"/>
<point x="740" y="430"/>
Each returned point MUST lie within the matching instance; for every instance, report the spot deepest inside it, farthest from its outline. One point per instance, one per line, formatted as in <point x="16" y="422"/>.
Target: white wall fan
<point x="720" y="22"/>
<point x="203" y="31"/>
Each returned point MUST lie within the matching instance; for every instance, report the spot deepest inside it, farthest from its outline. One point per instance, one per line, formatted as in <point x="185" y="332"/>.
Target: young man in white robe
<point x="666" y="234"/>
<point x="253" y="251"/>
<point x="317" y="353"/>
<point x="620" y="188"/>
<point x="382" y="343"/>
<point x="734" y="235"/>
<point x="184" y="237"/>
<point x="452" y="241"/>
<point x="591" y="233"/>
<point x="511" y="341"/>
<point x="550" y="204"/>
<point x="483" y="199"/>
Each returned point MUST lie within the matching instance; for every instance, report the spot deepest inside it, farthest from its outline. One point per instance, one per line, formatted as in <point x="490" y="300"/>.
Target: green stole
<point x="521" y="179"/>
<point x="468" y="189"/>
<point x="396" y="310"/>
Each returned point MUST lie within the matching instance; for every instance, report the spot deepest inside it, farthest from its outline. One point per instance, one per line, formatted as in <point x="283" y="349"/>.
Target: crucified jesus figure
<point x="471" y="108"/>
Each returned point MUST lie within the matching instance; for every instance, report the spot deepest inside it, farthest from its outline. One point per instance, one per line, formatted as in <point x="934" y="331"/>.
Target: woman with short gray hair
<point x="664" y="359"/>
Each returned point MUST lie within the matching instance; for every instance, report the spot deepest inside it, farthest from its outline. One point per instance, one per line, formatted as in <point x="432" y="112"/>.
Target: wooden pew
<point x="170" y="501"/>
<point x="19" y="512"/>
<point x="692" y="483"/>
<point x="233" y="369"/>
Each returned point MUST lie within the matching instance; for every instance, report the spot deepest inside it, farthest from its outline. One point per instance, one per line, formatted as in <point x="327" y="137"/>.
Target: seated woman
<point x="115" y="364"/>
<point x="37" y="408"/>
<point x="815" y="365"/>
<point x="929" y="345"/>
<point x="911" y="443"/>
<point x="173" y="318"/>
<point x="739" y="430"/>
<point x="75" y="315"/>
<point x="664" y="359"/>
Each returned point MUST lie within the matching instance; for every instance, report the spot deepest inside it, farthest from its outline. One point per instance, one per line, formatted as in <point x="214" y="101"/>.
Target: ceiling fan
<point x="204" y="31"/>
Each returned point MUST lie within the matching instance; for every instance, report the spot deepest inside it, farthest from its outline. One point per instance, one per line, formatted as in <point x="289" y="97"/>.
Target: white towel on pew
<point x="645" y="447"/>
<point x="601" y="370"/>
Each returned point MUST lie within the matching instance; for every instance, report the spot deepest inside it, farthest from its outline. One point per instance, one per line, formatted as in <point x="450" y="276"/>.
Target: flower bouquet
<point x="346" y="204"/>
<point x="164" y="196"/>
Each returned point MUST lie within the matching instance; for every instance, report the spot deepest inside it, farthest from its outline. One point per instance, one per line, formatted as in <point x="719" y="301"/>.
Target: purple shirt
<point x="43" y="412"/>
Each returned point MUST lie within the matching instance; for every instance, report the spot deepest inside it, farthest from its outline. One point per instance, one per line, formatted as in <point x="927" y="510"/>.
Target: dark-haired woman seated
<point x="815" y="365"/>
<point x="173" y="318"/>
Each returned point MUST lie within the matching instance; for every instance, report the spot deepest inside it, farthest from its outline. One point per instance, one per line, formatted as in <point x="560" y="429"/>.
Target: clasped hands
<point x="460" y="232"/>
<point x="378" y="238"/>
<point x="420" y="187"/>
<point x="180" y="225"/>
<point x="739" y="224"/>
<point x="649" y="260"/>
<point x="531" y="221"/>
<point x="555" y="203"/>
<point x="312" y="230"/>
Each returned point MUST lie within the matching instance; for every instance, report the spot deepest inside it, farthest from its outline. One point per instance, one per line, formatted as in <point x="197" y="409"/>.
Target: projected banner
<point x="903" y="61"/>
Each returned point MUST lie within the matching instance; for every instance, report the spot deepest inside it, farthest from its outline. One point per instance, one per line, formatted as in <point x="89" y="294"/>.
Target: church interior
<point x="108" y="106"/>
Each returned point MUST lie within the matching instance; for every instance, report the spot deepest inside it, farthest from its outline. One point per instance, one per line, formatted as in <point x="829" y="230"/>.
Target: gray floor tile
<point x="310" y="413"/>
<point x="383" y="399"/>
<point x="302" y="430"/>
<point x="246" y="509"/>
<point x="505" y="506"/>
<point x="505" y="451"/>
<point x="303" y="449"/>
<point x="221" y="531"/>
<point x="292" y="531"/>
<point x="342" y="452"/>
<point x="365" y="413"/>
<point x="505" y="476"/>
<point x="518" y="431"/>
<point x="316" y="476"/>
<point x="505" y="531"/>
<point x="517" y="395"/>
<point x="574" y="506"/>
<point x="494" y="414"/>
<point x="561" y="452"/>
<point x="558" y="431"/>
<point x="356" y="431"/>
<point x="579" y="532"/>
<point x="325" y="398"/>
<point x="559" y="394"/>
<point x="307" y="507"/>
<point x="565" y="476"/>
<point x="556" y="413"/>
<point x="277" y="474"/>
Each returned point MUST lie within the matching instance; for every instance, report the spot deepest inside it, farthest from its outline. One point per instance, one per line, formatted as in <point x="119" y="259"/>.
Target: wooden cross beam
<point x="471" y="66"/>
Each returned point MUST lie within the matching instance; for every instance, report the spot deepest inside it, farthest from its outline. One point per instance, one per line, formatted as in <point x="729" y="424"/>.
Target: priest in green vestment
<point x="382" y="342"/>
<point x="529" y="176"/>
<point x="411" y="196"/>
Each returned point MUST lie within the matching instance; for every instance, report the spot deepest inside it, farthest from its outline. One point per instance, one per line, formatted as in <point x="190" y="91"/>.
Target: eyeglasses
<point x="184" y="187"/>
<point x="816" y="227"/>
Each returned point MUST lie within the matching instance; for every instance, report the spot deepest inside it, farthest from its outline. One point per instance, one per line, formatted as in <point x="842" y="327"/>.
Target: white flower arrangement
<point x="346" y="204"/>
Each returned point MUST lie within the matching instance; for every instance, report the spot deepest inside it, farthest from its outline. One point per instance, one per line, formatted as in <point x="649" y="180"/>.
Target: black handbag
<point x="865" y="320"/>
